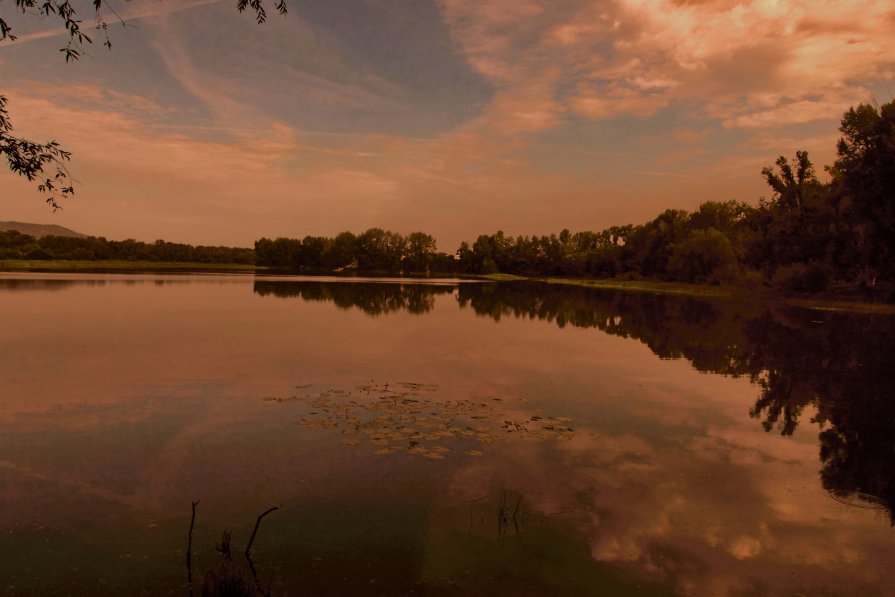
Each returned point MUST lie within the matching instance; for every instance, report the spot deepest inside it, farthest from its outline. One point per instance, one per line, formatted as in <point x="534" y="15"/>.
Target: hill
<point x="40" y="230"/>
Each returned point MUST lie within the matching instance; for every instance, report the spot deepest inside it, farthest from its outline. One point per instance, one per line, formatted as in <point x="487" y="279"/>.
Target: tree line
<point x="806" y="236"/>
<point x="15" y="245"/>
<point x="376" y="250"/>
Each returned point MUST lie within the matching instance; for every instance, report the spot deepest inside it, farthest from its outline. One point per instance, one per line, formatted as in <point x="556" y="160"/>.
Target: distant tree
<point x="282" y="252"/>
<point x="650" y="245"/>
<point x="420" y="252"/>
<point x="793" y="181"/>
<point x="484" y="252"/>
<point x="380" y="250"/>
<point x="312" y="250"/>
<point x="46" y="162"/>
<point x="341" y="251"/>
<point x="724" y="216"/>
<point x="799" y="224"/>
<point x="704" y="256"/>
<point x="469" y="260"/>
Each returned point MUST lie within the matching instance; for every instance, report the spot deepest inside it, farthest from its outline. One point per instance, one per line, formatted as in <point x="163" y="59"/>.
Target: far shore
<point x="98" y="266"/>
<point x="819" y="302"/>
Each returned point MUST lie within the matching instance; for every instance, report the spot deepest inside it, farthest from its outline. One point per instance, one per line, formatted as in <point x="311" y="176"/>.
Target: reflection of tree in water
<point x="25" y="284"/>
<point x="371" y="298"/>
<point x="841" y="364"/>
<point x="28" y="285"/>
<point x="704" y="332"/>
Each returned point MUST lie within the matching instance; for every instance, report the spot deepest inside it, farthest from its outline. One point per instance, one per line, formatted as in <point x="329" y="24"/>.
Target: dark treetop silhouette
<point x="807" y="237"/>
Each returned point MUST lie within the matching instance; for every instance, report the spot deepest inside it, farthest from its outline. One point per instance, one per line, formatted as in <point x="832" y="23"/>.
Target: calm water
<point x="439" y="438"/>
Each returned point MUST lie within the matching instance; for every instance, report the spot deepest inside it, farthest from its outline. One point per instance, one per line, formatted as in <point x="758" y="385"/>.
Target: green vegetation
<point x="654" y="286"/>
<point x="376" y="251"/>
<point x="503" y="277"/>
<point x="117" y="265"/>
<point x="15" y="245"/>
<point x="833" y="239"/>
<point x="818" y="302"/>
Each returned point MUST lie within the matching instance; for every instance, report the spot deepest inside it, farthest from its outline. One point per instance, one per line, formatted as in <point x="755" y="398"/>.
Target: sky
<point x="452" y="117"/>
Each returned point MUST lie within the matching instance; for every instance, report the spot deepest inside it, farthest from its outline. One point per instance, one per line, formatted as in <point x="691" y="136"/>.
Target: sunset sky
<point x="454" y="117"/>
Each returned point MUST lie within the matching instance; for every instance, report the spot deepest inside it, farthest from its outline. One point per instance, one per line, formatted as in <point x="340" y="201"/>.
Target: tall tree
<point x="793" y="181"/>
<point x="420" y="252"/>
<point x="864" y="178"/>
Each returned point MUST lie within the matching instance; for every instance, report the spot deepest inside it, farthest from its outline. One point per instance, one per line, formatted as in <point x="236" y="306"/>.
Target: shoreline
<point x="115" y="265"/>
<point x="818" y="302"/>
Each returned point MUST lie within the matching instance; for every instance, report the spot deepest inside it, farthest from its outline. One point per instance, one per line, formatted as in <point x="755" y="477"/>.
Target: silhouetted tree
<point x="420" y="252"/>
<point x="864" y="178"/>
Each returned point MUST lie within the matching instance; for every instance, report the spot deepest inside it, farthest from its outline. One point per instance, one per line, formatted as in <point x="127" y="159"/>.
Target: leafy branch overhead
<point x="41" y="162"/>
<point x="46" y="162"/>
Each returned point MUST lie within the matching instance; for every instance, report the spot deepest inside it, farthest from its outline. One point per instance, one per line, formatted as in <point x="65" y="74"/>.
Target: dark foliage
<point x="376" y="250"/>
<point x="15" y="245"/>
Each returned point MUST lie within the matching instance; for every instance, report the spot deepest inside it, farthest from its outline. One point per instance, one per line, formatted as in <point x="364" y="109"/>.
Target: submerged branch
<point x="255" y="531"/>
<point x="189" y="549"/>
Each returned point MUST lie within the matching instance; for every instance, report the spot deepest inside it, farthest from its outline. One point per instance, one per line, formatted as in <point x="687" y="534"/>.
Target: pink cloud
<point x="570" y="66"/>
<point x="633" y="57"/>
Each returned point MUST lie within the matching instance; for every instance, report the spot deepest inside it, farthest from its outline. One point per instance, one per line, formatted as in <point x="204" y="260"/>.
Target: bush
<point x="804" y="277"/>
<point x="35" y="252"/>
<point x="489" y="266"/>
<point x="749" y="279"/>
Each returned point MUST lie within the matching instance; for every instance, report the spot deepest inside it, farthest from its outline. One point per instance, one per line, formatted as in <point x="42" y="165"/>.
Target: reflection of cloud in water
<point x="699" y="515"/>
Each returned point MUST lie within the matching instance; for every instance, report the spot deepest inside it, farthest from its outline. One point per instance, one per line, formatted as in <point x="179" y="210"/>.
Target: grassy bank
<point x="653" y="286"/>
<point x="820" y="302"/>
<point x="62" y="266"/>
<point x="502" y="277"/>
<point x="823" y="304"/>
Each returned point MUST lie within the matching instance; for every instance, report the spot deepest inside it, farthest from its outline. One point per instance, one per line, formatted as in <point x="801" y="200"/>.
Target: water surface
<point x="438" y="438"/>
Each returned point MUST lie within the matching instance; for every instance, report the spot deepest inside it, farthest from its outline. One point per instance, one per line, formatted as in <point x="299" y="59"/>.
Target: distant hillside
<point x="40" y="230"/>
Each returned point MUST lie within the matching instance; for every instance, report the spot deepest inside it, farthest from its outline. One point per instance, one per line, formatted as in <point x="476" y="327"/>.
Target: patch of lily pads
<point x="410" y="418"/>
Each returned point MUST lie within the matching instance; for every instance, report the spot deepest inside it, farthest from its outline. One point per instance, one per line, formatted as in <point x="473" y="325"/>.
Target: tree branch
<point x="254" y="532"/>
<point x="41" y="162"/>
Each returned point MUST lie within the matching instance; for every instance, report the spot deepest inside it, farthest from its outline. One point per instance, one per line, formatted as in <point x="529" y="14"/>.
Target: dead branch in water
<point x="254" y="532"/>
<point x="227" y="577"/>
<point x="189" y="550"/>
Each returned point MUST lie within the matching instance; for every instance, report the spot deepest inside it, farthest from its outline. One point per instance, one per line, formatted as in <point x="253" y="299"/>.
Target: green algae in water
<point x="411" y="418"/>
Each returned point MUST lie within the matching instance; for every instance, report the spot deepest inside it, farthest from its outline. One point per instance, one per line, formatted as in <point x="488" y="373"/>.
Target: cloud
<point x="599" y="113"/>
<point x="603" y="60"/>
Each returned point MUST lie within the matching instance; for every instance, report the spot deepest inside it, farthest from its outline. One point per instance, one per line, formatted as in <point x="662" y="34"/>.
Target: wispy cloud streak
<point x="127" y="13"/>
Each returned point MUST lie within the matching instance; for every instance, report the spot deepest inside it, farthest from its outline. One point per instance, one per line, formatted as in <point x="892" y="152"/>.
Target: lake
<point x="439" y="437"/>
